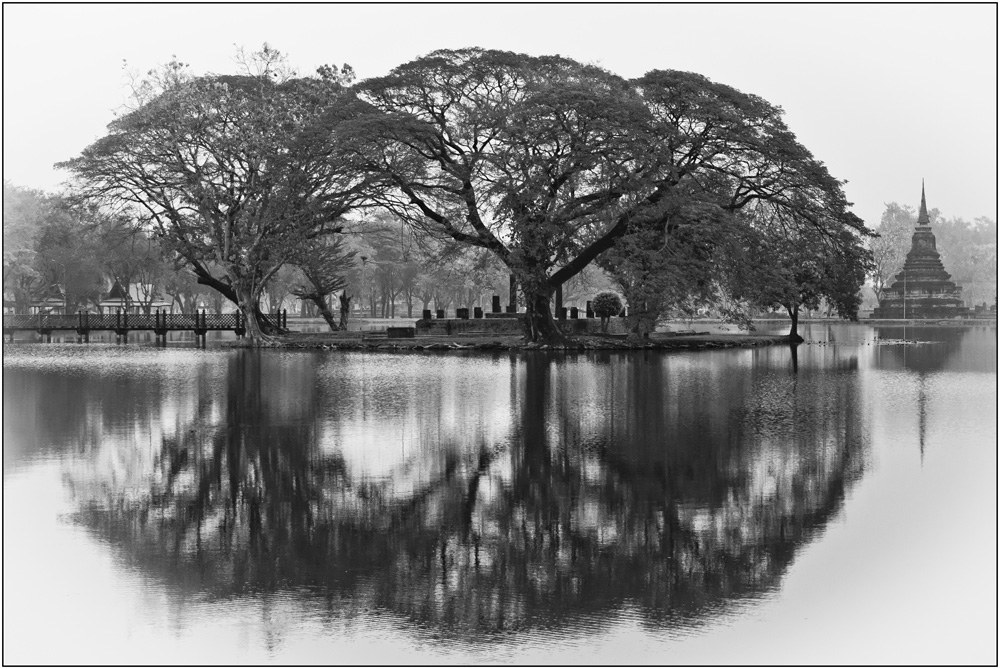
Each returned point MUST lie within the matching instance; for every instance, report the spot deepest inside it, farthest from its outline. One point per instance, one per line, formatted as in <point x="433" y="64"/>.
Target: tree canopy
<point x="889" y="247"/>
<point x="52" y="248"/>
<point x="229" y="171"/>
<point x="780" y="264"/>
<point x="546" y="162"/>
<point x="660" y="268"/>
<point x="540" y="162"/>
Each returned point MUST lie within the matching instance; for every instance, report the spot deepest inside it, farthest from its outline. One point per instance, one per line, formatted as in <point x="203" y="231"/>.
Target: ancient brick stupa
<point x="922" y="289"/>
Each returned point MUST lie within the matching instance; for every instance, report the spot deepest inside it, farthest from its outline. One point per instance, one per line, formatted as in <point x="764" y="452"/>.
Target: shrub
<point x="606" y="305"/>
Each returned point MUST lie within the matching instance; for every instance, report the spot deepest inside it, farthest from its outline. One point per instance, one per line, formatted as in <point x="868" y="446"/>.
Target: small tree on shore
<point x="606" y="305"/>
<point x="779" y="264"/>
<point x="325" y="269"/>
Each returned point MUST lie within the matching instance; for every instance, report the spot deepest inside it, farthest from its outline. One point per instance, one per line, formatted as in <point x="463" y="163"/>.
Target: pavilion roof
<point x="117" y="293"/>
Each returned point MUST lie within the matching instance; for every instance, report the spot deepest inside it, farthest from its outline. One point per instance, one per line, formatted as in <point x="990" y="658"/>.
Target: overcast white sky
<point x="885" y="95"/>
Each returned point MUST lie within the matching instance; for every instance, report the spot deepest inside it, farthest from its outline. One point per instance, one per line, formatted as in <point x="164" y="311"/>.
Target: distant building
<point x="117" y="299"/>
<point x="923" y="289"/>
<point x="133" y="300"/>
<point x="51" y="302"/>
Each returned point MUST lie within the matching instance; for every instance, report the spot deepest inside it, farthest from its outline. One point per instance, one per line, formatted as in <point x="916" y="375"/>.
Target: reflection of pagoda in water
<point x="923" y="289"/>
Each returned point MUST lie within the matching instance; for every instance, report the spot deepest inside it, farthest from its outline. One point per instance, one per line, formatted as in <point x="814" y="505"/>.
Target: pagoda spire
<point x="923" y="218"/>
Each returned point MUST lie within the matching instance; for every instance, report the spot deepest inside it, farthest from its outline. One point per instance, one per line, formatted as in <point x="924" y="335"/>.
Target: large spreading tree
<point x="547" y="162"/>
<point x="510" y="153"/>
<point x="232" y="173"/>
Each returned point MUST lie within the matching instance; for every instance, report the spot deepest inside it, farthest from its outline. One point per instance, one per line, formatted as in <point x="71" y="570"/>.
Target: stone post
<point x="496" y="304"/>
<point x="574" y="313"/>
<point x="477" y="312"/>
<point x="590" y="310"/>
<point x="440" y="313"/>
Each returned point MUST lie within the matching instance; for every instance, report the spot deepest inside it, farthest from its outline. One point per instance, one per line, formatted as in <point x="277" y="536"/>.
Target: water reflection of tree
<point x="61" y="403"/>
<point x="645" y="497"/>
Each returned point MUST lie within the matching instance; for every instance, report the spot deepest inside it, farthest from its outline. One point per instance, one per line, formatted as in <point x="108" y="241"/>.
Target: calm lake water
<point x="831" y="504"/>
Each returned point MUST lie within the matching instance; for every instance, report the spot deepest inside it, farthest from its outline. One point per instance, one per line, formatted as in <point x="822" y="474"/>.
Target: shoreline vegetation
<point x="694" y="335"/>
<point x="377" y="341"/>
<point x="371" y="334"/>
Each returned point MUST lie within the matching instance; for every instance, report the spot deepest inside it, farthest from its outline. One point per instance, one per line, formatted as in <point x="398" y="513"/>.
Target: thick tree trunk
<point x="327" y="315"/>
<point x="264" y="323"/>
<point x="255" y="334"/>
<point x="539" y="324"/>
<point x="640" y="325"/>
<point x="793" y="332"/>
<point x="259" y="330"/>
<point x="345" y="309"/>
<point x="324" y="309"/>
<point x="224" y="289"/>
